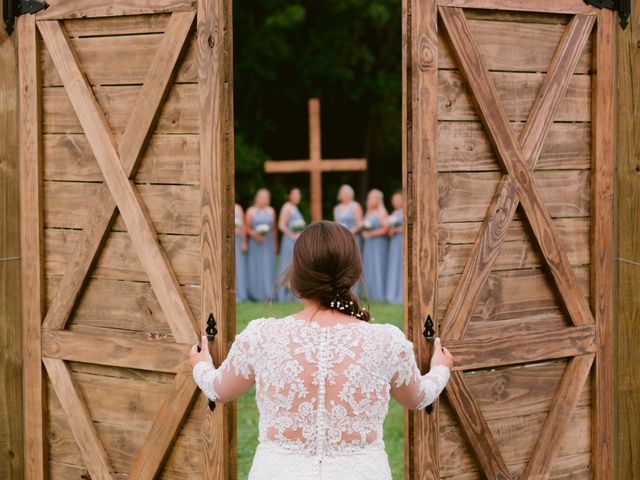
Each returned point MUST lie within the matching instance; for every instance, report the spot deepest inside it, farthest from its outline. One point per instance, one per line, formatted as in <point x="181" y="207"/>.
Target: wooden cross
<point x="315" y="165"/>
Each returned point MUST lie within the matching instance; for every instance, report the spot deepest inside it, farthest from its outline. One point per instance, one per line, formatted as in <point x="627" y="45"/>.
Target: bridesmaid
<point x="374" y="250"/>
<point x="241" y="255"/>
<point x="348" y="212"/>
<point x="394" y="259"/>
<point x="290" y="223"/>
<point x="260" y="225"/>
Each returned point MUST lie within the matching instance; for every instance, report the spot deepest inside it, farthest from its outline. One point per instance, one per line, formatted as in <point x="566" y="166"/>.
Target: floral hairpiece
<point x="342" y="305"/>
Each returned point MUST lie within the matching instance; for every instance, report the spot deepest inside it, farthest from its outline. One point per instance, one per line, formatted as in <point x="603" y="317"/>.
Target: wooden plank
<point x="475" y="428"/>
<point x="140" y="228"/>
<point x="421" y="216"/>
<point x="507" y="46"/>
<point x="179" y="114"/>
<point x="118" y="259"/>
<point x="118" y="25"/>
<point x="11" y="401"/>
<point x="59" y="9"/>
<point x="103" y="62"/>
<point x="540" y="6"/>
<point x="518" y="91"/>
<point x="458" y="460"/>
<point x="172" y="208"/>
<point x="557" y="422"/>
<point x="477" y="353"/>
<point x="118" y="350"/>
<point x="82" y="427"/>
<point x="122" y="305"/>
<point x="32" y="282"/>
<point x="165" y="427"/>
<point x="602" y="293"/>
<point x="465" y="147"/>
<point x="215" y="93"/>
<point x="505" y="201"/>
<point x="514" y="161"/>
<point x="627" y="192"/>
<point x="167" y="159"/>
<point x="344" y="165"/>
<point x="122" y="443"/>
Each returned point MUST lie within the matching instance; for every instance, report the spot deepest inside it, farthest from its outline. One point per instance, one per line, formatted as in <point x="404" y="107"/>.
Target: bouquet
<point x="263" y="229"/>
<point x="238" y="222"/>
<point x="367" y="225"/>
<point x="393" y="221"/>
<point x="298" y="225"/>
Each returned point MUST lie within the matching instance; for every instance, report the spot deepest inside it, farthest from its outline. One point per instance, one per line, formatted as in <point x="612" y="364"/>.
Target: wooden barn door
<point x="126" y="194"/>
<point x="509" y="174"/>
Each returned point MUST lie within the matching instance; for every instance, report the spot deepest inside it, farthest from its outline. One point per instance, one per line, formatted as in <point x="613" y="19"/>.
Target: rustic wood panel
<point x="167" y="159"/>
<point x="31" y="243"/>
<point x="507" y="46"/>
<point x="518" y="91"/>
<point x="118" y="261"/>
<point x="172" y="208"/>
<point x="541" y="6"/>
<point x="11" y="413"/>
<point x="628" y="247"/>
<point x="59" y="9"/>
<point x="465" y="147"/>
<point x="117" y="25"/>
<point x="178" y="115"/>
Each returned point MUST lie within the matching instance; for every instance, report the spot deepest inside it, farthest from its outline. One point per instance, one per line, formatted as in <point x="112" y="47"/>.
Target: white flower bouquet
<point x="263" y="229"/>
<point x="238" y="222"/>
<point x="393" y="221"/>
<point x="367" y="225"/>
<point x="298" y="225"/>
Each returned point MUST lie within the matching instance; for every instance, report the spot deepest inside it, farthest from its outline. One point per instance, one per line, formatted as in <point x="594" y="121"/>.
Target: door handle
<point x="212" y="331"/>
<point x="430" y="334"/>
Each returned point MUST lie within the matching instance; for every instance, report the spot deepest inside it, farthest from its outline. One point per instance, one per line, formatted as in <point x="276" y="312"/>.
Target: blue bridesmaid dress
<point x="374" y="256"/>
<point x="286" y="254"/>
<point x="347" y="218"/>
<point x="241" y="264"/>
<point x="261" y="259"/>
<point x="394" y="263"/>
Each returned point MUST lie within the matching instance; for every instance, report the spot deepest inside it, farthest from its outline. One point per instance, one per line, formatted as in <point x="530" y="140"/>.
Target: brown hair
<point x="325" y="267"/>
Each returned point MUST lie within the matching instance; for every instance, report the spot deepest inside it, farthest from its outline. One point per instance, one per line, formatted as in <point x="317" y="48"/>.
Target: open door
<point x="509" y="181"/>
<point x="126" y="201"/>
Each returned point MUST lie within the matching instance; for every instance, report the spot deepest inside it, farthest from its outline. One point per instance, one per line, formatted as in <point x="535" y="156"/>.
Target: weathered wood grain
<point x="602" y="293"/>
<point x="59" y="9"/>
<point x="172" y="208"/>
<point x="215" y="93"/>
<point x="540" y="6"/>
<point x="117" y="25"/>
<point x="118" y="260"/>
<point x="475" y="428"/>
<point x="139" y="226"/>
<point x="167" y="159"/>
<point x="557" y="422"/>
<point x="126" y="350"/>
<point x="11" y="401"/>
<point x="627" y="193"/>
<point x="477" y="353"/>
<point x="421" y="215"/>
<point x="31" y="244"/>
<point x="465" y="147"/>
<point x="80" y="423"/>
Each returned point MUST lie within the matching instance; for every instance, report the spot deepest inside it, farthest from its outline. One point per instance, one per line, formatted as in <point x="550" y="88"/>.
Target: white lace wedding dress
<point x="322" y="392"/>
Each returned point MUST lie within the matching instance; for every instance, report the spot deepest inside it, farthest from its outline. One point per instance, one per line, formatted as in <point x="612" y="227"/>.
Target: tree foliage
<point x="345" y="52"/>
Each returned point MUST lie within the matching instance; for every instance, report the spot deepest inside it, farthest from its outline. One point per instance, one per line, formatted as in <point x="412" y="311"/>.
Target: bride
<point x="324" y="375"/>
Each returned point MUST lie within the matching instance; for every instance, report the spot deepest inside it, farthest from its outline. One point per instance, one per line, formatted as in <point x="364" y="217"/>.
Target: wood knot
<point x="211" y="42"/>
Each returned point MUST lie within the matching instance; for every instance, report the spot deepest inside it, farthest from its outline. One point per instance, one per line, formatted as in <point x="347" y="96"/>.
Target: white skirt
<point x="272" y="462"/>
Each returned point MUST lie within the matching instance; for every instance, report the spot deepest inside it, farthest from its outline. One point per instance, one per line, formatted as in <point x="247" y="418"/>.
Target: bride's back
<point x="323" y="389"/>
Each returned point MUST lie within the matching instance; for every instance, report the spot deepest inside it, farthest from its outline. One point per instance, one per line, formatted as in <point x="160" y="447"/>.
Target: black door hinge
<point x="623" y="7"/>
<point x="11" y="9"/>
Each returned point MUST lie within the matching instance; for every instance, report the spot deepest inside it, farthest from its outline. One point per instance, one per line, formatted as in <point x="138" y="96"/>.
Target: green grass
<point x="247" y="410"/>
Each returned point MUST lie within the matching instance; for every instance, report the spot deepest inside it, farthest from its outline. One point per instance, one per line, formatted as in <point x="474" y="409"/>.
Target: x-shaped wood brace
<point x="517" y="186"/>
<point x="118" y="191"/>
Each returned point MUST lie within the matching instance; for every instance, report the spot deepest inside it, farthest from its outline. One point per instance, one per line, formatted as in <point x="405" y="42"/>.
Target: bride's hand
<point x="441" y="356"/>
<point x="203" y="355"/>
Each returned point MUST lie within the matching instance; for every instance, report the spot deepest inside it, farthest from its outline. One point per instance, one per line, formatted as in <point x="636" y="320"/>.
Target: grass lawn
<point x="247" y="410"/>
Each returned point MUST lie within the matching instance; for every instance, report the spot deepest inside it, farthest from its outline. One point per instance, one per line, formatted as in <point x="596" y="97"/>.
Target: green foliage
<point x="347" y="53"/>
<point x="248" y="413"/>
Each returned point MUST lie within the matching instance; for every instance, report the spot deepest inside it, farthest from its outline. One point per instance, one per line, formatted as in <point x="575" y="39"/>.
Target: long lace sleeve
<point x="235" y="375"/>
<point x="408" y="386"/>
